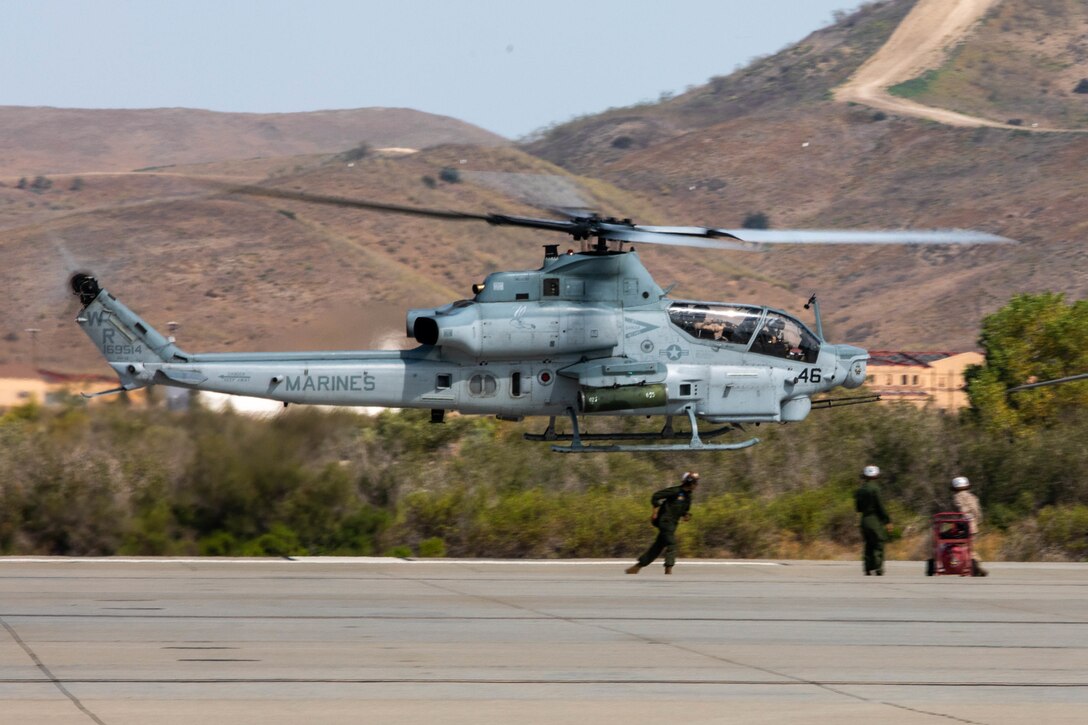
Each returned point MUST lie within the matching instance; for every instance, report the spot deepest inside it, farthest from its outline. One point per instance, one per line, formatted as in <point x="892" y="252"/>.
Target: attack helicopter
<point x="589" y="333"/>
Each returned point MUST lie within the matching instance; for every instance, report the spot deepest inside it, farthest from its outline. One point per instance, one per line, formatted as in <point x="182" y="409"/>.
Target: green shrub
<point x="729" y="525"/>
<point x="915" y="86"/>
<point x="433" y="547"/>
<point x="356" y="533"/>
<point x="517" y="524"/>
<point x="602" y="522"/>
<point x="113" y="479"/>
<point x="150" y="534"/>
<point x="279" y="541"/>
<point x="818" y="513"/>
<point x="219" y="543"/>
<point x="41" y="183"/>
<point x="1065" y="529"/>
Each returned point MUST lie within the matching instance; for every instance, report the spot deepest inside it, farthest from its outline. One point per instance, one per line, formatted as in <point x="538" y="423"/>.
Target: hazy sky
<point x="510" y="66"/>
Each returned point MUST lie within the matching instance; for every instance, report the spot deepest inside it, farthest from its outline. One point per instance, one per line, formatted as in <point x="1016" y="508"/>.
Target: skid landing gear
<point x="694" y="440"/>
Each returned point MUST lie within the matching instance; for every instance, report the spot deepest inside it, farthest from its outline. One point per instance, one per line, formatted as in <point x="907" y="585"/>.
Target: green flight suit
<point x="874" y="519"/>
<point x="673" y="504"/>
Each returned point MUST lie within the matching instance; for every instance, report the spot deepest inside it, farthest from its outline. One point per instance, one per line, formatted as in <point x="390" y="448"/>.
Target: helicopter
<point x="589" y="333"/>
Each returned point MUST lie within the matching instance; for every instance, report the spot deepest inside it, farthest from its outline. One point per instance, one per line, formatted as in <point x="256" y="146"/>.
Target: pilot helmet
<point x="960" y="483"/>
<point x="870" y="472"/>
<point x="690" y="477"/>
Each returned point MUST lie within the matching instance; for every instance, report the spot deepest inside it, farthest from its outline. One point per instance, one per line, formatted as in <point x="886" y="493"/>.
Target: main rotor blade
<point x="578" y="227"/>
<point x="569" y="226"/>
<point x="690" y="231"/>
<point x="592" y="226"/>
<point x="274" y="193"/>
<point x="842" y="236"/>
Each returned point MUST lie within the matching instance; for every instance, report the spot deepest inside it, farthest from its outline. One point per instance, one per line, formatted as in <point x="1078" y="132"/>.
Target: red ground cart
<point x="951" y="545"/>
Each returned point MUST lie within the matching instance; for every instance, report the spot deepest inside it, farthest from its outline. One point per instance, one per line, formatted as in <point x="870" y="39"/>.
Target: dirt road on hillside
<point x="920" y="43"/>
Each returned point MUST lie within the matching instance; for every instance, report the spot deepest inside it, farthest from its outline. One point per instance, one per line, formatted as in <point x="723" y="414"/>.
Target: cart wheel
<point x="931" y="568"/>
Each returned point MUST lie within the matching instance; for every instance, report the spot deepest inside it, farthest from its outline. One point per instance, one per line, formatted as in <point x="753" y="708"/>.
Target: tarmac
<point x="384" y="640"/>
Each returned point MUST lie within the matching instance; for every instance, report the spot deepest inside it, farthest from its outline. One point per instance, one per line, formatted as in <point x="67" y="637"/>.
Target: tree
<point x="1034" y="337"/>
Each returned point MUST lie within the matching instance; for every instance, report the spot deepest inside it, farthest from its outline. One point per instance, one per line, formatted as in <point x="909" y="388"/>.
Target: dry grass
<point x="1022" y="62"/>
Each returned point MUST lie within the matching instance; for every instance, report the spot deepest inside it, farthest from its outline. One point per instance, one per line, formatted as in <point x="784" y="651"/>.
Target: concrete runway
<point x="132" y="642"/>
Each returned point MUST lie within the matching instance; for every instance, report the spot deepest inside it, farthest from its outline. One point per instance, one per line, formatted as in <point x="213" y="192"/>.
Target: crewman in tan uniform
<point x="967" y="503"/>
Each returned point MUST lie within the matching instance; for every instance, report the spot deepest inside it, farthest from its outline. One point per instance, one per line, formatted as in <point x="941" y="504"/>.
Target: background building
<point x="21" y="384"/>
<point x="922" y="378"/>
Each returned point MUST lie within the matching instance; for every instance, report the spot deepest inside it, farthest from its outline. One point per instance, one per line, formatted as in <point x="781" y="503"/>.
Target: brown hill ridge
<point x="69" y="140"/>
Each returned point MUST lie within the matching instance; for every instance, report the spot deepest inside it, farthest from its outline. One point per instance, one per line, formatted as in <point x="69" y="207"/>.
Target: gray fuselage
<point x="588" y="332"/>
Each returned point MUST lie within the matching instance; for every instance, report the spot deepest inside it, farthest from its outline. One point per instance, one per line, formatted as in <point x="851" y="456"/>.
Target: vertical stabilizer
<point x="125" y="340"/>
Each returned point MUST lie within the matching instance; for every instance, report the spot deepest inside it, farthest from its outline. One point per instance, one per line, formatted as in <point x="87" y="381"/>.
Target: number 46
<point x="810" y="376"/>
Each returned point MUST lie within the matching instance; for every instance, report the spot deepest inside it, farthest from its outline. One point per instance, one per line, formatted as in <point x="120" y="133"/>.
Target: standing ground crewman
<point x="875" y="522"/>
<point x="967" y="503"/>
<point x="671" y="506"/>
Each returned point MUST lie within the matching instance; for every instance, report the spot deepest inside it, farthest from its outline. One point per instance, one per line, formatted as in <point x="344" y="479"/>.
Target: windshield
<point x="733" y="324"/>
<point x="783" y="336"/>
<point x="780" y="335"/>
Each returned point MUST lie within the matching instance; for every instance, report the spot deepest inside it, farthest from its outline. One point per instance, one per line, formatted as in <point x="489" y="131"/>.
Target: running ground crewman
<point x="671" y="506"/>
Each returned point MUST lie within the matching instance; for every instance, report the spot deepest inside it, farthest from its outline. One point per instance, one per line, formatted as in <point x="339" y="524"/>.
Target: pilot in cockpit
<point x="774" y="338"/>
<point x="710" y="328"/>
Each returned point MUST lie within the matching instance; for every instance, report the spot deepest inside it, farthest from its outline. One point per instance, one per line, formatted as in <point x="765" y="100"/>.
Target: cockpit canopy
<point x="761" y="330"/>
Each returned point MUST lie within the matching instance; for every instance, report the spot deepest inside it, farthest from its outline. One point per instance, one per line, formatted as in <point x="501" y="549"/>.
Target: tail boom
<point x="141" y="356"/>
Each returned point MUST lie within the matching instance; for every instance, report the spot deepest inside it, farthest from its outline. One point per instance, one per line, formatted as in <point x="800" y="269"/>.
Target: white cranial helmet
<point x="870" y="472"/>
<point x="960" y="482"/>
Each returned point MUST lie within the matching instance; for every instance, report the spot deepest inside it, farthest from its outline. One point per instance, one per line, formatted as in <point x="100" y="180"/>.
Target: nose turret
<point x="851" y="364"/>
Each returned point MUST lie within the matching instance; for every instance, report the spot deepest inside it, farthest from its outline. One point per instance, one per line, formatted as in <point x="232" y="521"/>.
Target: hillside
<point x="1026" y="62"/>
<point x="797" y="77"/>
<point x="769" y="139"/>
<point x="244" y="273"/>
<point x="69" y="140"/>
